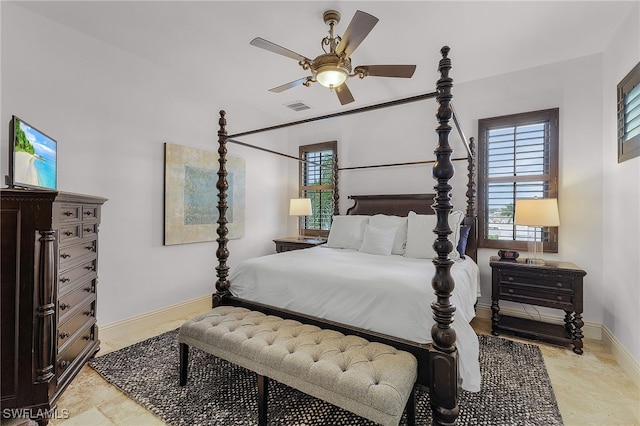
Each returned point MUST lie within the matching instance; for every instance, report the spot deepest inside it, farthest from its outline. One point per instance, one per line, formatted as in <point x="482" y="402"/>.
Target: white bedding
<point x="387" y="294"/>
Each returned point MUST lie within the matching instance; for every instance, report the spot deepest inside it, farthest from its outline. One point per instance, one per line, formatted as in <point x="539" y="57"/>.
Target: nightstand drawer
<point x="535" y="296"/>
<point x="540" y="280"/>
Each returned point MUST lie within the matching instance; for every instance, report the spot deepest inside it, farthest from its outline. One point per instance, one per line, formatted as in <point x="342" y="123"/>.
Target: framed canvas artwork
<point x="191" y="196"/>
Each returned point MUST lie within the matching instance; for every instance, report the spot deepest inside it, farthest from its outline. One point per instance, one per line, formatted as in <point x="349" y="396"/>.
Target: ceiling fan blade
<point x="402" y="71"/>
<point x="360" y="26"/>
<point x="289" y="85"/>
<point x="272" y="47"/>
<point x="344" y="94"/>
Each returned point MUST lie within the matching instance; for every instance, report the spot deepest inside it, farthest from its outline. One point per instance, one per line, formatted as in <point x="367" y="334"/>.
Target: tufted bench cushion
<point x="370" y="379"/>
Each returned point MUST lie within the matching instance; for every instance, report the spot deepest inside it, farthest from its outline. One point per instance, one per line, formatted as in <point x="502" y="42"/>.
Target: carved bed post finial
<point x="222" y="270"/>
<point x="443" y="389"/>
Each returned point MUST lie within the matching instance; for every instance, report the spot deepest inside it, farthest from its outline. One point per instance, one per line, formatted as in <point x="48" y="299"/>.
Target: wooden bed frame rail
<point x="438" y="361"/>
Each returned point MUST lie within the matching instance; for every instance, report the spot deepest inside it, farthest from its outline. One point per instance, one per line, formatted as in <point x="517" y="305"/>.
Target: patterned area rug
<point x="516" y="389"/>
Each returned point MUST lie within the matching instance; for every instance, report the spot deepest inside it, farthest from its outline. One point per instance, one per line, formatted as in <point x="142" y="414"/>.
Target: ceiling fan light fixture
<point x="331" y="76"/>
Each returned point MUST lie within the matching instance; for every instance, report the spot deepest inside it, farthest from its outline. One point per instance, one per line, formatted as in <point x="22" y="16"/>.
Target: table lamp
<point x="300" y="207"/>
<point x="537" y="213"/>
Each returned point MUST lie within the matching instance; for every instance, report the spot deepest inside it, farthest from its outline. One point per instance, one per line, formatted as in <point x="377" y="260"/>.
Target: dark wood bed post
<point x="443" y="389"/>
<point x="472" y="215"/>
<point x="222" y="270"/>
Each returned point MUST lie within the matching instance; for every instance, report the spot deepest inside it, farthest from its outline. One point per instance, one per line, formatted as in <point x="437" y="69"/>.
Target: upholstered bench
<point x="370" y="379"/>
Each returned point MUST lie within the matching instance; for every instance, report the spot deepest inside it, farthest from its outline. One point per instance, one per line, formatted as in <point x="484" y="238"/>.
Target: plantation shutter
<point x="518" y="161"/>
<point x="629" y="115"/>
<point x="317" y="183"/>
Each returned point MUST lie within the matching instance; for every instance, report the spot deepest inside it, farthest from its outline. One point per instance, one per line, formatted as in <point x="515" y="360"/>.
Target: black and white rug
<point x="516" y="389"/>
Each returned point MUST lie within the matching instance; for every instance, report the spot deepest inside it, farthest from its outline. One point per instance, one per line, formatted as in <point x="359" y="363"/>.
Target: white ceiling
<point x="207" y="42"/>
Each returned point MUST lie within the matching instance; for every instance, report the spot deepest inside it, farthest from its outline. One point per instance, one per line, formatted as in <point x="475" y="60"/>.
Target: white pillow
<point x="378" y="240"/>
<point x="347" y="231"/>
<point x="396" y="222"/>
<point x="420" y="236"/>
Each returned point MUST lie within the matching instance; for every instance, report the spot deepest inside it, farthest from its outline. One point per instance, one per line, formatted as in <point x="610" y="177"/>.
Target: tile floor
<point x="590" y="389"/>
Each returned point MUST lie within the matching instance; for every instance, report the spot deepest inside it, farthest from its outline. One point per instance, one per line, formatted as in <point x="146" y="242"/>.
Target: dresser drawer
<point x="70" y="233"/>
<point x="83" y="271"/>
<point x="67" y="331"/>
<point x="76" y="252"/>
<point x="540" y="280"/>
<point x="535" y="296"/>
<point x="89" y="212"/>
<point x="69" y="302"/>
<point x="70" y="213"/>
<point x="75" y="351"/>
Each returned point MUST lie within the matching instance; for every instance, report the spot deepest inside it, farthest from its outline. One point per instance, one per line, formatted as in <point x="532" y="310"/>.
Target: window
<point x="629" y="115"/>
<point x="518" y="158"/>
<point x="317" y="182"/>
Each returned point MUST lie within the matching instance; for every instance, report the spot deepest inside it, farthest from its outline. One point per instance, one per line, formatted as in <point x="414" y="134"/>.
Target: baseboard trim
<point x="138" y="323"/>
<point x="622" y="355"/>
<point x="591" y="330"/>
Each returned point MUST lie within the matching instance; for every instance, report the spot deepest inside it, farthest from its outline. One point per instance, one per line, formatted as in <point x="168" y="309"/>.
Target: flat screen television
<point x="33" y="157"/>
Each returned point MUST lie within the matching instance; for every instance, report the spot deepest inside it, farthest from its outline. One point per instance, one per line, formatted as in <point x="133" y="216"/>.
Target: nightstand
<point x="296" y="243"/>
<point x="555" y="285"/>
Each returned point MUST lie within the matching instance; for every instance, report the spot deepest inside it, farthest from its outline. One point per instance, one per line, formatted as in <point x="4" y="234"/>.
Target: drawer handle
<point x="64" y="335"/>
<point x="511" y="290"/>
<point x="88" y="213"/>
<point x="88" y="289"/>
<point x="68" y="233"/>
<point x="90" y="268"/>
<point x="89" y="313"/>
<point x="510" y="278"/>
<point x="88" y="229"/>
<point x="90" y="248"/>
<point x="559" y="284"/>
<point x="65" y="255"/>
<point x="65" y="280"/>
<point x="68" y="213"/>
<point x="559" y="297"/>
<point x="64" y="306"/>
<point x="86" y="337"/>
<point x="63" y="364"/>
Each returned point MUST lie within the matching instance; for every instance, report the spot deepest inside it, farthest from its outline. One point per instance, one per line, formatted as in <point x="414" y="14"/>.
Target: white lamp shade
<point x="300" y="207"/>
<point x="537" y="212"/>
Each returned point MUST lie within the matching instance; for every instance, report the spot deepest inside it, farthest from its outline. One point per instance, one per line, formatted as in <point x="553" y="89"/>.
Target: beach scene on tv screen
<point x="34" y="157"/>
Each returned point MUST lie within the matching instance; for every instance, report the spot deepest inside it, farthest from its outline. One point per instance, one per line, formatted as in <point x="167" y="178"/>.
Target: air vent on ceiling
<point x="298" y="106"/>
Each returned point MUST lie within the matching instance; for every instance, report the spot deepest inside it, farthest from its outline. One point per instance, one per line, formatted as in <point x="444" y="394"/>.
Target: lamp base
<point x="533" y="261"/>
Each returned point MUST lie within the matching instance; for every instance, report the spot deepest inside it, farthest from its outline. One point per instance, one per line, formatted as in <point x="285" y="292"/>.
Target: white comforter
<point x="387" y="294"/>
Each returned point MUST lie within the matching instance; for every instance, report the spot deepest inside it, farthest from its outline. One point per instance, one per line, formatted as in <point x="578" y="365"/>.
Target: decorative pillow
<point x="347" y="231"/>
<point x="420" y="236"/>
<point x="378" y="240"/>
<point x="464" y="237"/>
<point x="396" y="222"/>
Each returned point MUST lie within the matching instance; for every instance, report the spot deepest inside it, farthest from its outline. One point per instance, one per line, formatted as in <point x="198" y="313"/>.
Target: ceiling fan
<point x="332" y="68"/>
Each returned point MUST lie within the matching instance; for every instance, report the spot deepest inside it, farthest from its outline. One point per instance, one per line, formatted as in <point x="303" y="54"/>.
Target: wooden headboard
<point x="394" y="204"/>
<point x="401" y="205"/>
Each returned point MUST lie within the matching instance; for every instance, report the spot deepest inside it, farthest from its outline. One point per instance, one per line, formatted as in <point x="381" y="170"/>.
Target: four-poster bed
<point x="438" y="359"/>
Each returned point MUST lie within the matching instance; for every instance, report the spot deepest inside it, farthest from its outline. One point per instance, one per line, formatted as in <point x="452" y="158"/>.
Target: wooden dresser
<point x="49" y="280"/>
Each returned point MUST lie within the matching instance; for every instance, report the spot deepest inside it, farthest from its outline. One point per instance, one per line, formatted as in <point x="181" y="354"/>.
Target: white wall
<point x="111" y="114"/>
<point x="620" y="296"/>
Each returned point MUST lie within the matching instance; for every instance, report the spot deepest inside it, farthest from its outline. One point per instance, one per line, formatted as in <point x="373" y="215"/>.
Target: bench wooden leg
<point x="411" y="408"/>
<point x="184" y="363"/>
<point x="263" y="391"/>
